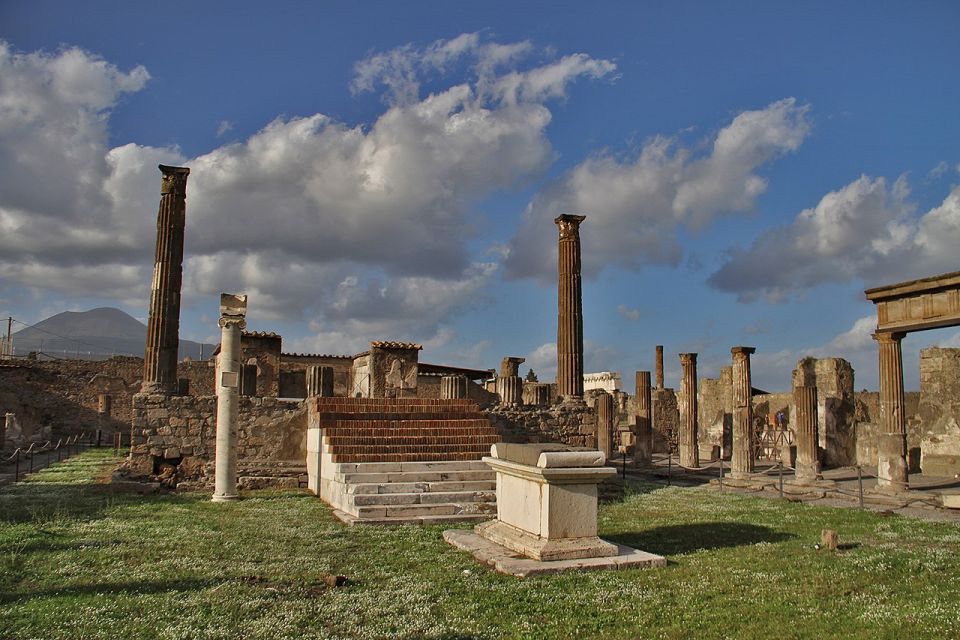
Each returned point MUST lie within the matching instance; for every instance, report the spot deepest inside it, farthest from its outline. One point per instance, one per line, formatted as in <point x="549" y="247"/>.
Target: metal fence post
<point x="721" y="471"/>
<point x="780" y="472"/>
<point x="860" y="484"/>
<point x="669" y="466"/>
<point x="16" y="472"/>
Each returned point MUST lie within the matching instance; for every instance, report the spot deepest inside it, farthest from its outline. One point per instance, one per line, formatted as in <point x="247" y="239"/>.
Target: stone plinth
<point x="547" y="501"/>
<point x="453" y="387"/>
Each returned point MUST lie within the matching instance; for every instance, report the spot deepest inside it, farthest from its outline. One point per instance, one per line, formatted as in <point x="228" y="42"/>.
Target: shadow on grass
<point x="110" y="589"/>
<point x="684" y="538"/>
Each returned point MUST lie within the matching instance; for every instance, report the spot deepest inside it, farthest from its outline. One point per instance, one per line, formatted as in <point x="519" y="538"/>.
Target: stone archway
<point x="917" y="305"/>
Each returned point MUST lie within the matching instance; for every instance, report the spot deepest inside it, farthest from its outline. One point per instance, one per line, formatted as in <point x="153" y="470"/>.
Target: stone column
<point x="510" y="390"/>
<point x="689" y="448"/>
<point x="104" y="404"/>
<point x="163" y="328"/>
<point x="643" y="449"/>
<point x="569" y="311"/>
<point x="805" y="428"/>
<point x="892" y="443"/>
<point x="232" y="322"/>
<point x="319" y="381"/>
<point x="453" y="387"/>
<point x="741" y="460"/>
<point x="604" y="408"/>
<point x="659" y="369"/>
<point x="539" y="395"/>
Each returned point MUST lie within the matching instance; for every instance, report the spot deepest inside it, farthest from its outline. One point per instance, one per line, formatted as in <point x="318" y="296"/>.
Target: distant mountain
<point x="93" y="335"/>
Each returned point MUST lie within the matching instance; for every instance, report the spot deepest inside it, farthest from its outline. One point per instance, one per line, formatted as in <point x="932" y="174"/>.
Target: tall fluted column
<point x="805" y="426"/>
<point x="741" y="461"/>
<point x="892" y="443"/>
<point x="569" y="311"/>
<point x="232" y="321"/>
<point x="689" y="448"/>
<point x="659" y="369"/>
<point x="163" y="328"/>
<point x="643" y="449"/>
<point x="604" y="407"/>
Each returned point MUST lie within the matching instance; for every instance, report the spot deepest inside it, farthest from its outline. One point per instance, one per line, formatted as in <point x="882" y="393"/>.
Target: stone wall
<point x="575" y="426"/>
<point x="297" y="364"/>
<point x="666" y="418"/>
<point x="181" y="430"/>
<point x="867" y="419"/>
<point x="715" y="414"/>
<point x="939" y="411"/>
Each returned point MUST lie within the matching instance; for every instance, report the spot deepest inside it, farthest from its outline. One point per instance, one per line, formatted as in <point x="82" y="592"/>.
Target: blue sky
<point x="391" y="171"/>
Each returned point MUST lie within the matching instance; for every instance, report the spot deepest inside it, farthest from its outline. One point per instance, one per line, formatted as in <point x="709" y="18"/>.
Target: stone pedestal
<point x="453" y="387"/>
<point x="741" y="461"/>
<point x="569" y="310"/>
<point x="547" y="501"/>
<point x="319" y="381"/>
<point x="805" y="428"/>
<point x="603" y="404"/>
<point x="643" y="448"/>
<point x="688" y="449"/>
<point x="892" y="441"/>
<point x="163" y="327"/>
<point x="232" y="322"/>
<point x="510" y="390"/>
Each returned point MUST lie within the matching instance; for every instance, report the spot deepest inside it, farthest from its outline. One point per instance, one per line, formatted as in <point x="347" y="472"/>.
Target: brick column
<point x="659" y="368"/>
<point x="741" y="460"/>
<point x="163" y="327"/>
<point x="892" y="443"/>
<point x="453" y="387"/>
<point x="604" y="407"/>
<point x="689" y="453"/>
<point x="643" y="449"/>
<point x="805" y="428"/>
<point x="569" y="311"/>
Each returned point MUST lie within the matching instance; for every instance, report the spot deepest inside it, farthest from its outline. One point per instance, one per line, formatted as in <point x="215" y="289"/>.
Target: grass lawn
<point x="79" y="562"/>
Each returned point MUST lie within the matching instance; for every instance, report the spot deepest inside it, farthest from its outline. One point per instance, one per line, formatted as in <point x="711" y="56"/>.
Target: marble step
<point x="421" y="487"/>
<point x="424" y="498"/>
<point x="414" y="476"/>
<point x="396" y="467"/>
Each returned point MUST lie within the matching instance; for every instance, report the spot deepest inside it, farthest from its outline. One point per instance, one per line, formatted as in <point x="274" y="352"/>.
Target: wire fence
<point x="23" y="460"/>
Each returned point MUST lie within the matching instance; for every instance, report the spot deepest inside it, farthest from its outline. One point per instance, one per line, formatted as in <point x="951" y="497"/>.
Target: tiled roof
<point x="259" y="334"/>
<point x="315" y="355"/>
<point x="385" y="344"/>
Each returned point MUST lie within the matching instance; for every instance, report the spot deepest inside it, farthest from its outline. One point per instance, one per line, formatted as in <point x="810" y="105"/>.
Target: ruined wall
<point x="575" y="426"/>
<point x="182" y="430"/>
<point x="715" y="413"/>
<point x="263" y="350"/>
<point x="939" y="411"/>
<point x="296" y="365"/>
<point x="666" y="418"/>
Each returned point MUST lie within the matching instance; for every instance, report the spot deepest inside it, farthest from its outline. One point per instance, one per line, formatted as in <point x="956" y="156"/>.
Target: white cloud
<point x="630" y="314"/>
<point x="363" y="228"/>
<point x="864" y="230"/>
<point x="224" y="127"/>
<point x="634" y="207"/>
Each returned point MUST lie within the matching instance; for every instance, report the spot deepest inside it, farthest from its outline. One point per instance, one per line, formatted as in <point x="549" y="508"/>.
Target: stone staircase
<point x="401" y="461"/>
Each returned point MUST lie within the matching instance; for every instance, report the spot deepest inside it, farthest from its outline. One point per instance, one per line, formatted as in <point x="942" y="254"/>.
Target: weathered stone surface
<point x="569" y="309"/>
<point x="605" y="424"/>
<point x="569" y="424"/>
<point x="688" y="446"/>
<point x="643" y="422"/>
<point x="742" y="456"/>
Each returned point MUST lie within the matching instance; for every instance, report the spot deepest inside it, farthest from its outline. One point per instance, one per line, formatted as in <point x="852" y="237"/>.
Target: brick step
<point x="367" y="488"/>
<point x="403" y="432"/>
<point x="409" y="457"/>
<point x="399" y="402"/>
<point x="427" y="497"/>
<point x="376" y="419"/>
<point x="394" y="467"/>
<point x="415" y="439"/>
<point x="414" y="476"/>
<point x="384" y="446"/>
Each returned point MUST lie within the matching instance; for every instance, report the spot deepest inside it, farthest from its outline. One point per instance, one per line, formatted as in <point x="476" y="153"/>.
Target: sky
<point x="390" y="171"/>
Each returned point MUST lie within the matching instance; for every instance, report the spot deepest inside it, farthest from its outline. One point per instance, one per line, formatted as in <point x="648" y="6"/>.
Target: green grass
<point x="79" y="562"/>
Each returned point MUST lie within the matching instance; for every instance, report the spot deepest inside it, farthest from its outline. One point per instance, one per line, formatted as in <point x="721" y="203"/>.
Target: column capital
<point x="688" y="358"/>
<point x="888" y="337"/>
<point x="232" y="321"/>
<point x="174" y="179"/>
<point x="742" y="351"/>
<point x="568" y="223"/>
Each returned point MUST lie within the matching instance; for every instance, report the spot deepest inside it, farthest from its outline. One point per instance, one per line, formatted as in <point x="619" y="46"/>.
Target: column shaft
<point x="604" y="408"/>
<point x="892" y="444"/>
<point x="741" y="460"/>
<point x="659" y="369"/>
<point x="453" y="387"/>
<point x="225" y="473"/>
<point x="569" y="310"/>
<point x="163" y="327"/>
<point x="643" y="450"/>
<point x="689" y="448"/>
<point x="805" y="426"/>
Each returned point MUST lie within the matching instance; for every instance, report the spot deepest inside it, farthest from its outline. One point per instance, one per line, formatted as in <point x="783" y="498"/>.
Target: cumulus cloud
<point x="866" y="230"/>
<point x="630" y="314"/>
<point x="363" y="228"/>
<point x="635" y="206"/>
